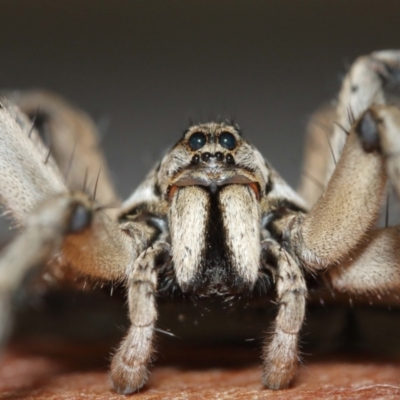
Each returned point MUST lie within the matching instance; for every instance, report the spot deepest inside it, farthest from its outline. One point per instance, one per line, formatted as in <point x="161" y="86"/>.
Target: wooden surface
<point x="63" y="352"/>
<point x="44" y="369"/>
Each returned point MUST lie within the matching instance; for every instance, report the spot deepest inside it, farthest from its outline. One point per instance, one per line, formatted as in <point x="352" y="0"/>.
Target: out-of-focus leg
<point x="317" y="154"/>
<point x="73" y="141"/>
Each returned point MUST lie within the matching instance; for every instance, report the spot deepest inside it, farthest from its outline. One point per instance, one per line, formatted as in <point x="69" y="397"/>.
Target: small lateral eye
<point x="197" y="140"/>
<point x="80" y="219"/>
<point x="227" y="140"/>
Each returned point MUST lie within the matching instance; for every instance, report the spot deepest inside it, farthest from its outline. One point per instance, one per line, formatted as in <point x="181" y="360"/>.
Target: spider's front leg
<point x="338" y="222"/>
<point x="129" y="366"/>
<point x="346" y="212"/>
<point x="385" y="126"/>
<point x="363" y="86"/>
<point x="375" y="265"/>
<point x="349" y="207"/>
<point x="281" y="352"/>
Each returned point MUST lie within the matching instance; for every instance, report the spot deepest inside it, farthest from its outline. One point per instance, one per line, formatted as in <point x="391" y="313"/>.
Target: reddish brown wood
<point x="46" y="369"/>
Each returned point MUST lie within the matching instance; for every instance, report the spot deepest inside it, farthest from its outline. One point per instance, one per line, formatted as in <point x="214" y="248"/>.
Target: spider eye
<point x="80" y="219"/>
<point x="227" y="140"/>
<point x="197" y="140"/>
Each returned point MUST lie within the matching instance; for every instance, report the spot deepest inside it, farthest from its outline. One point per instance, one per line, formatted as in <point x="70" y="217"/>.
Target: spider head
<point x="212" y="155"/>
<point x="213" y="181"/>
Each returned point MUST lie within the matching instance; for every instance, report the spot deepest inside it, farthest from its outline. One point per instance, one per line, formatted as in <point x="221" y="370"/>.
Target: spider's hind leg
<point x="39" y="242"/>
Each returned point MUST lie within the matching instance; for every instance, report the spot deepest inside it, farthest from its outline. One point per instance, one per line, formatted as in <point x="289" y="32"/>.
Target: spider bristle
<point x="166" y="333"/>
<point x="342" y="128"/>
<point x="193" y="120"/>
<point x="350" y="115"/>
<point x="33" y="123"/>
<point x="106" y="207"/>
<point x="213" y="117"/>
<point x="184" y="132"/>
<point x="48" y="155"/>
<point x="387" y="207"/>
<point x="320" y="124"/>
<point x="95" y="185"/>
<point x="69" y="165"/>
<point x="330" y="146"/>
<point x="85" y="180"/>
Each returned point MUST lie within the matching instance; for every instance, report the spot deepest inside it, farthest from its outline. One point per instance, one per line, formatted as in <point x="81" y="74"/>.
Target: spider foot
<point x="129" y="366"/>
<point x="127" y="379"/>
<point x="280" y="361"/>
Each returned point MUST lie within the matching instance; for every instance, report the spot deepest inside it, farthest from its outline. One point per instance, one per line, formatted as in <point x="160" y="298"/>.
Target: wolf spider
<point x="212" y="218"/>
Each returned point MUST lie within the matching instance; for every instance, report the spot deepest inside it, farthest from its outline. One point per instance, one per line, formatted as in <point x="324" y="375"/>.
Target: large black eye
<point x="197" y="140"/>
<point x="227" y="140"/>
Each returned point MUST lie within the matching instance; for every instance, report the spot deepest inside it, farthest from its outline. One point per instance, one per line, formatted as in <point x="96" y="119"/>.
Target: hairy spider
<point x="212" y="218"/>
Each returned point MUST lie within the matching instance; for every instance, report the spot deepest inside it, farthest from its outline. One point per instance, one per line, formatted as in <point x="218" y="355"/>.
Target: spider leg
<point x="39" y="241"/>
<point x="32" y="189"/>
<point x="72" y="140"/>
<point x="386" y="120"/>
<point x="327" y="130"/>
<point x="349" y="207"/>
<point x="362" y="87"/>
<point x="317" y="152"/>
<point x="280" y="354"/>
<point x="129" y="365"/>
<point x="27" y="180"/>
<point x="373" y="269"/>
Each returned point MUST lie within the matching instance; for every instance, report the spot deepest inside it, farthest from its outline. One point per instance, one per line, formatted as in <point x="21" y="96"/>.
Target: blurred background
<point x="143" y="69"/>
